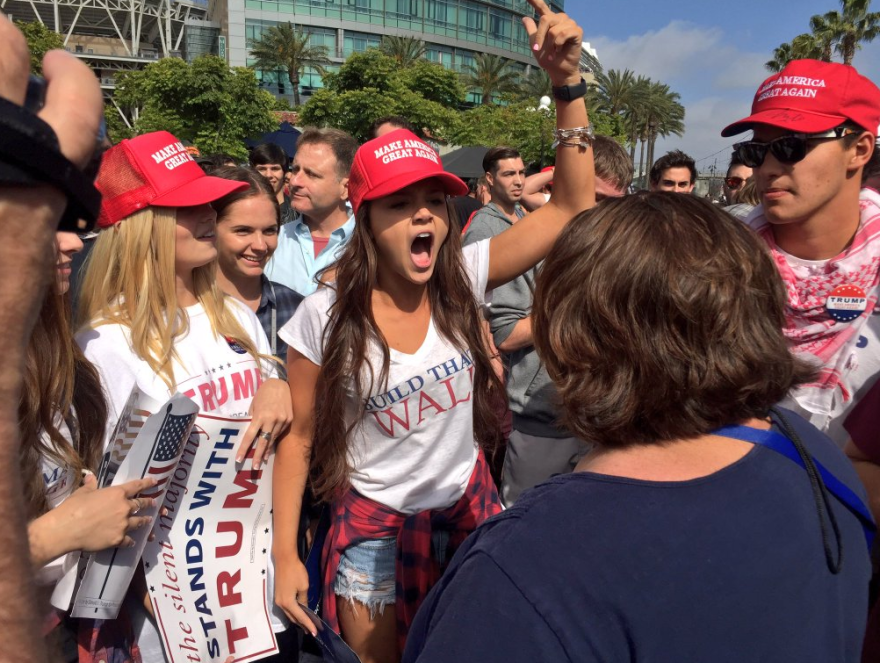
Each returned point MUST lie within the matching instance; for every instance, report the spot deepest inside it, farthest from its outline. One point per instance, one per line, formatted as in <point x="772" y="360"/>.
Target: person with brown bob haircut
<point x="686" y="534"/>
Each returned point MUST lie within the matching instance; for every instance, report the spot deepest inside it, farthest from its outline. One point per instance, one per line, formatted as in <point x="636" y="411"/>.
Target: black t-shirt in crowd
<point x="465" y="206"/>
<point x="588" y="568"/>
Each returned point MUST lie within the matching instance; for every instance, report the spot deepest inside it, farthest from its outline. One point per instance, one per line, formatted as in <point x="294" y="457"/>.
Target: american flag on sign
<point x="166" y="448"/>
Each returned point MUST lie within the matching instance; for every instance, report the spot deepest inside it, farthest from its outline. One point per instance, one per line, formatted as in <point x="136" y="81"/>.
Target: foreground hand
<point x="556" y="43"/>
<point x="73" y="96"/>
<point x="93" y="519"/>
<point x="291" y="590"/>
<point x="271" y="414"/>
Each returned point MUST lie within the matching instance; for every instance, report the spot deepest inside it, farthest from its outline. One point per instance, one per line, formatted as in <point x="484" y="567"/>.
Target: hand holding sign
<point x="271" y="414"/>
<point x="556" y="42"/>
<point x="95" y="518"/>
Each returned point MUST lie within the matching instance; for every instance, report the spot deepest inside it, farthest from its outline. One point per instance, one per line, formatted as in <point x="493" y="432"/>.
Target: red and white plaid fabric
<point x="355" y="518"/>
<point x="813" y="333"/>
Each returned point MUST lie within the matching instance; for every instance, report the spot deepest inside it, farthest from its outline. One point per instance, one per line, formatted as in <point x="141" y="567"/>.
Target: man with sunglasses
<point x="737" y="175"/>
<point x="814" y="128"/>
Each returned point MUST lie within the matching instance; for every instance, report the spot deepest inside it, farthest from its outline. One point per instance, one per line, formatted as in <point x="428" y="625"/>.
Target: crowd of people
<point x="534" y="417"/>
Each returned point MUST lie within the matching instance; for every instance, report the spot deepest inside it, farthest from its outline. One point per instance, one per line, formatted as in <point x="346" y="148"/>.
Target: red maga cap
<point x="154" y="170"/>
<point x="392" y="162"/>
<point x="810" y="96"/>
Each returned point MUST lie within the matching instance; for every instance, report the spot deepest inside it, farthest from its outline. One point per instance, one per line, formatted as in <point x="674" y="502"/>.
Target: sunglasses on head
<point x="734" y="182"/>
<point x="785" y="149"/>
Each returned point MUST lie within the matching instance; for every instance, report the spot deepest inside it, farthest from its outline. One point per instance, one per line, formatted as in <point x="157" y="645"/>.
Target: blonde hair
<point x="130" y="280"/>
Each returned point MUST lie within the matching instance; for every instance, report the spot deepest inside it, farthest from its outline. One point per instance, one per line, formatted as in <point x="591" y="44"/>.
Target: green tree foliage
<point x="206" y="102"/>
<point x="371" y="85"/>
<point x="284" y="47"/>
<point x="434" y="82"/>
<point x="491" y="76"/>
<point x="842" y="32"/>
<point x="532" y="87"/>
<point x="40" y="39"/>
<point x="406" y="51"/>
<point x="525" y="127"/>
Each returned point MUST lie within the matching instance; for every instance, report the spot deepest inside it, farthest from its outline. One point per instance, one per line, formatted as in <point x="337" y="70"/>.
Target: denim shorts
<point x="366" y="574"/>
<point x="367" y="571"/>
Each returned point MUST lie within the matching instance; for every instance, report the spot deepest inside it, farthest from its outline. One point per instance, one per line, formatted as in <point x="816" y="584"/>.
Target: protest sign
<point x="154" y="446"/>
<point x="207" y="569"/>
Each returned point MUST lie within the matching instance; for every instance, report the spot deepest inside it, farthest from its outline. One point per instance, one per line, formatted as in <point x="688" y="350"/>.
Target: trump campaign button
<point x="846" y="303"/>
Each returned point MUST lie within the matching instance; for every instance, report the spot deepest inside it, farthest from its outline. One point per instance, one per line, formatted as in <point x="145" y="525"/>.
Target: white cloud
<point x="716" y="81"/>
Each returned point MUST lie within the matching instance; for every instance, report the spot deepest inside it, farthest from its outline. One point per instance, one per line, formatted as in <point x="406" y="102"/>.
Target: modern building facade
<point x="453" y="30"/>
<point x="117" y="35"/>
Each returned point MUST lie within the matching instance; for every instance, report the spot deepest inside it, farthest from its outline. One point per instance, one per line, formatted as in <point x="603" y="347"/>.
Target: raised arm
<point x="532" y="198"/>
<point x="556" y="41"/>
<point x="288" y="485"/>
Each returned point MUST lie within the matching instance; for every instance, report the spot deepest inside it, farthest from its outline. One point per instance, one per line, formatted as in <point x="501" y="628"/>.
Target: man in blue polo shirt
<point x="319" y="195"/>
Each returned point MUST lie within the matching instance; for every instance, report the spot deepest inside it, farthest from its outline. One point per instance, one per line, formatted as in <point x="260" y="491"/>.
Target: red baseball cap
<point x="392" y="162"/>
<point x="154" y="170"/>
<point x="810" y="96"/>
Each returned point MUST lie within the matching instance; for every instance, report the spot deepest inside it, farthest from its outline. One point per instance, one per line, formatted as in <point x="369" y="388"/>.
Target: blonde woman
<point x="152" y="315"/>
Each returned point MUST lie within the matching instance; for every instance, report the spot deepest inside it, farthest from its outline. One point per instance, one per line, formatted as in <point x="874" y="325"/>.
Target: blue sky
<point x="711" y="53"/>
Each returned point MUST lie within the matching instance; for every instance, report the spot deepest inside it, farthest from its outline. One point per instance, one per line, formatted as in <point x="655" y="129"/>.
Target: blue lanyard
<point x="781" y="444"/>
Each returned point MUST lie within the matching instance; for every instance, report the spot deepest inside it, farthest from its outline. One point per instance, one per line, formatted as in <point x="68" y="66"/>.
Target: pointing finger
<point x="132" y="488"/>
<point x="531" y="28"/>
<point x="540" y="7"/>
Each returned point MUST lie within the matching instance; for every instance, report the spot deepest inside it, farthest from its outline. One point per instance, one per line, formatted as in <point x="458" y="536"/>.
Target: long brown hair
<point x="352" y="328"/>
<point x="59" y="385"/>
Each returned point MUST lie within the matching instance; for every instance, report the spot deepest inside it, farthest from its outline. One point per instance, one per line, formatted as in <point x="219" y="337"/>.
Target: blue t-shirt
<point x="588" y="567"/>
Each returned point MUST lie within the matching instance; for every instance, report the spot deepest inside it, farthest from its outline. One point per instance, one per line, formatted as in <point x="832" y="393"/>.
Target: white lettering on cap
<point x="172" y="155"/>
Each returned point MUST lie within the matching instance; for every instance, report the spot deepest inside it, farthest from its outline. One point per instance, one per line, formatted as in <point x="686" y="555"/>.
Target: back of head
<point x="496" y="154"/>
<point x="392" y="122"/>
<point x="213" y="162"/>
<point x="673" y="159"/>
<point x="612" y="163"/>
<point x="659" y="317"/>
<point x="268" y="154"/>
<point x="342" y="144"/>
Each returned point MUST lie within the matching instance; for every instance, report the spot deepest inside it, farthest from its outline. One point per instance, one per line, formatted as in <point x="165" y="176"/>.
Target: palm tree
<point x="284" y="47"/>
<point x="533" y="86"/>
<point x="634" y="116"/>
<point x="490" y="75"/>
<point x="665" y="116"/>
<point x="616" y="89"/>
<point x="802" y="47"/>
<point x="406" y="50"/>
<point x="823" y="32"/>
<point x="853" y="26"/>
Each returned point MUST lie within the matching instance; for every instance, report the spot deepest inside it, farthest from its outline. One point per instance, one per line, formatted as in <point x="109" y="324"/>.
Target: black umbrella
<point x="285" y="137"/>
<point x="465" y="161"/>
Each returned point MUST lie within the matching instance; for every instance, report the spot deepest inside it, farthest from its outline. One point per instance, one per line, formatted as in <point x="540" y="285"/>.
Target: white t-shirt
<point x="415" y="447"/>
<point x="220" y="378"/>
<point x="59" y="481"/>
<point x="215" y="373"/>
<point x="862" y="366"/>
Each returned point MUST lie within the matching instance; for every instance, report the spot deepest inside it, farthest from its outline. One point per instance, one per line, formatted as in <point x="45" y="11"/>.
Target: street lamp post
<point x="544" y="107"/>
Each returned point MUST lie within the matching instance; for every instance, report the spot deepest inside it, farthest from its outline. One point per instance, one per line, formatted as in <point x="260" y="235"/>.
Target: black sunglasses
<point x="786" y="149"/>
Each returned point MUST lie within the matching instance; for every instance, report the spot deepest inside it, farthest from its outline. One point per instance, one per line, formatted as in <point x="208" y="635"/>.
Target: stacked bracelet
<point x="579" y="137"/>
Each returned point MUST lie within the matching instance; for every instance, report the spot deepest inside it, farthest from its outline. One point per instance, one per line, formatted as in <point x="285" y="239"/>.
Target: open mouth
<point x="208" y="234"/>
<point x="253" y="260"/>
<point x="420" y="250"/>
